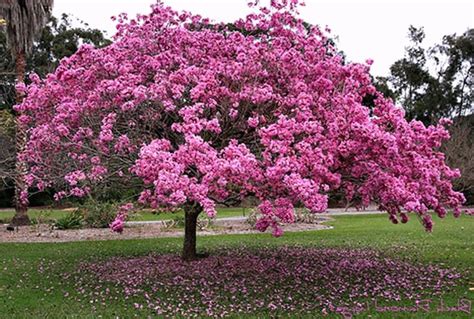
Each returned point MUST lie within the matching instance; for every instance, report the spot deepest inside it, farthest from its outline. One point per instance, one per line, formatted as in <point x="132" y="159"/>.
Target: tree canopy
<point x="198" y="114"/>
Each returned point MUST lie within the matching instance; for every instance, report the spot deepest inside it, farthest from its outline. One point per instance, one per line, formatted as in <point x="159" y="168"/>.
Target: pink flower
<point x="277" y="231"/>
<point x="74" y="177"/>
<point x="117" y="225"/>
<point x="253" y="121"/>
<point x="262" y="224"/>
<point x="59" y="195"/>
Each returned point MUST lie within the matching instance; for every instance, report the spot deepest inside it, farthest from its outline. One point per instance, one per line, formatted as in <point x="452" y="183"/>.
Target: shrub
<point x="73" y="220"/>
<point x="306" y="217"/>
<point x="98" y="214"/>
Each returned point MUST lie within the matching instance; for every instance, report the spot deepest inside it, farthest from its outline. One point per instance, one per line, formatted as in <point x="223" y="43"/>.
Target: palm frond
<point x="24" y="21"/>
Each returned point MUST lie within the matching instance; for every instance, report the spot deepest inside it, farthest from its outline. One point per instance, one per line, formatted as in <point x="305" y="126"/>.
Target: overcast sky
<point x="374" y="29"/>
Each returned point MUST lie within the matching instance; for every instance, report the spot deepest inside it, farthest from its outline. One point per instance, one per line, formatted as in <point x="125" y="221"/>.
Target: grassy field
<point x="31" y="282"/>
<point x="54" y="214"/>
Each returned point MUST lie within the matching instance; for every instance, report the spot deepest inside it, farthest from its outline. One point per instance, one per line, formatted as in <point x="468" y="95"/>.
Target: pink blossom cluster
<point x="118" y="223"/>
<point x="193" y="172"/>
<point x="204" y="112"/>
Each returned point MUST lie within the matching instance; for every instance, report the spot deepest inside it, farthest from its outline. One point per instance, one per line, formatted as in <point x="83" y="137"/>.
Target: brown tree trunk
<point x="21" y="208"/>
<point x="191" y="213"/>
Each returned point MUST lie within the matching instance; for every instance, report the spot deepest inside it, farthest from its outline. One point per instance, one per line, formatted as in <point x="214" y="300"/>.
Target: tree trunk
<point x="21" y="207"/>
<point x="191" y="213"/>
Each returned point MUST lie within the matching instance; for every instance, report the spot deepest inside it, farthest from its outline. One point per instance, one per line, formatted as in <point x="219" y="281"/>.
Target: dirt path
<point x="44" y="233"/>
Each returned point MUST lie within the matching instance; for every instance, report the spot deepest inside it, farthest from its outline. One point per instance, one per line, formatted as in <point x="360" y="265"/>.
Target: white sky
<point x="374" y="29"/>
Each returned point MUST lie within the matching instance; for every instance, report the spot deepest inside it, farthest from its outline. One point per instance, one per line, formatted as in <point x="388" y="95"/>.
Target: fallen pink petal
<point x="282" y="280"/>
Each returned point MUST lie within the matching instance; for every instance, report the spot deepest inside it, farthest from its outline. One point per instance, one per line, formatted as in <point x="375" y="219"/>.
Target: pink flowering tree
<point x="203" y="113"/>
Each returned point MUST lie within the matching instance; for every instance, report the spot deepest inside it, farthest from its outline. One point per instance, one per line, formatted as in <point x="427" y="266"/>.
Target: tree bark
<point x="191" y="213"/>
<point x="21" y="208"/>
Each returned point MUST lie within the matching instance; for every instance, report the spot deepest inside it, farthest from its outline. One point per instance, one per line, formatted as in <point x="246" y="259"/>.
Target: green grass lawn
<point x="31" y="284"/>
<point x="6" y="215"/>
<point x="221" y="212"/>
<point x="146" y="215"/>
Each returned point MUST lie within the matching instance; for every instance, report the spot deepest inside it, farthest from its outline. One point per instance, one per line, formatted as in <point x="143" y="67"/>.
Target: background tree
<point x="24" y="21"/>
<point x="459" y="152"/>
<point x="7" y="154"/>
<point x="435" y="82"/>
<point x="455" y="61"/>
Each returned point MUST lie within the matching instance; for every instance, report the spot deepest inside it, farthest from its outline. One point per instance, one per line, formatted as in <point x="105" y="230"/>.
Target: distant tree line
<point x="434" y="82"/>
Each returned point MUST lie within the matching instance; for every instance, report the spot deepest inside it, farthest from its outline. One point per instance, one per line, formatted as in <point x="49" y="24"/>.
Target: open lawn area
<point x="55" y="280"/>
<point x="144" y="215"/>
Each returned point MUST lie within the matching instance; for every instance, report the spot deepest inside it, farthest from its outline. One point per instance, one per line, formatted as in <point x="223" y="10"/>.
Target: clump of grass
<point x="73" y="220"/>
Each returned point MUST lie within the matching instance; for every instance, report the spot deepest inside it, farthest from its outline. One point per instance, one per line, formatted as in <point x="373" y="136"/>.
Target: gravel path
<point x="44" y="233"/>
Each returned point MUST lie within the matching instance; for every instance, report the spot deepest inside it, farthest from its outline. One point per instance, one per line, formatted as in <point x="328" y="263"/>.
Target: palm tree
<point x="24" y="22"/>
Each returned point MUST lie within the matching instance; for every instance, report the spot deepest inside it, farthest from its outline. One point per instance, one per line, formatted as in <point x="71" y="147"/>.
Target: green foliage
<point x="435" y="82"/>
<point x="98" y="214"/>
<point x="7" y="156"/>
<point x="73" y="220"/>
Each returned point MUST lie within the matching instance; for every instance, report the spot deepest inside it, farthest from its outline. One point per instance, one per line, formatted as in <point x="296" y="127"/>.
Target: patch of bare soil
<point x="45" y="233"/>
